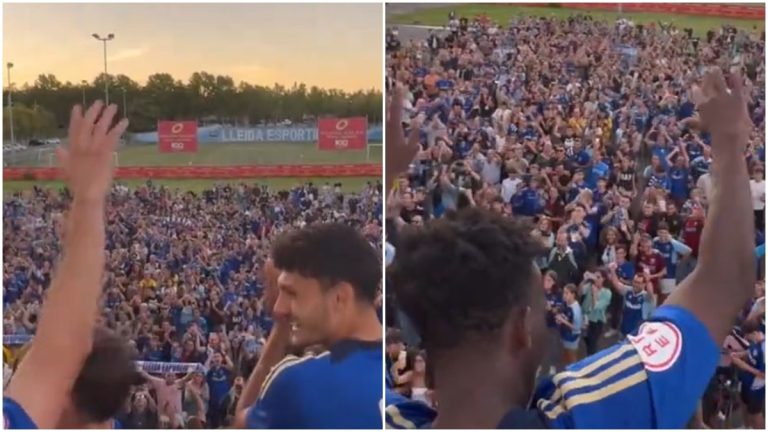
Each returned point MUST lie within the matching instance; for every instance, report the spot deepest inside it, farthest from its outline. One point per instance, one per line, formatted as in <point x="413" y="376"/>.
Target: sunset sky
<point x="328" y="45"/>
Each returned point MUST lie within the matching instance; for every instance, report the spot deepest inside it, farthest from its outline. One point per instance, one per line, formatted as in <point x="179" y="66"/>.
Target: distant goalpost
<point x="368" y="150"/>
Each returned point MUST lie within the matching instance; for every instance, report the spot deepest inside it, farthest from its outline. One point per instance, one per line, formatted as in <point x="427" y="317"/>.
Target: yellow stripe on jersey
<point x="595" y="380"/>
<point x="599" y="394"/>
<point x="284" y="364"/>
<point x="592" y="366"/>
<point x="397" y="419"/>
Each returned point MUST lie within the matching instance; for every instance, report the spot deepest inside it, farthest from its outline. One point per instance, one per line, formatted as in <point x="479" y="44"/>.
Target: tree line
<point x="42" y="109"/>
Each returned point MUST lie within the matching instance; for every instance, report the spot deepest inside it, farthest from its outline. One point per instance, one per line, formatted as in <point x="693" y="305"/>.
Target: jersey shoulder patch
<point x="659" y="344"/>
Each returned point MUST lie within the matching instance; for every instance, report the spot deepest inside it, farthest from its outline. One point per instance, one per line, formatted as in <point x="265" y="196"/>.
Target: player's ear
<point x="344" y="294"/>
<point x="517" y="330"/>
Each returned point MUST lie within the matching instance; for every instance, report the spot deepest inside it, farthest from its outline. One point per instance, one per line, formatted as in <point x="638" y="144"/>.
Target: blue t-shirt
<point x="756" y="359"/>
<point x="626" y="270"/>
<point x="15" y="417"/>
<point x="219" y="382"/>
<point x="598" y="171"/>
<point x="573" y="315"/>
<point x="527" y="202"/>
<point x="660" y="374"/>
<point x="404" y="413"/>
<point x="678" y="179"/>
<point x="633" y="310"/>
<point x="338" y="389"/>
<point x="555" y="302"/>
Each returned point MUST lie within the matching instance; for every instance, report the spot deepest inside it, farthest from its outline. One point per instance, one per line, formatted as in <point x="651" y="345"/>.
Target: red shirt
<point x="652" y="261"/>
<point x="692" y="234"/>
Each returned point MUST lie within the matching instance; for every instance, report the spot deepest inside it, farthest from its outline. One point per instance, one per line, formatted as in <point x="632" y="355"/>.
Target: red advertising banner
<point x="177" y="136"/>
<point x="342" y="133"/>
<point x="210" y="172"/>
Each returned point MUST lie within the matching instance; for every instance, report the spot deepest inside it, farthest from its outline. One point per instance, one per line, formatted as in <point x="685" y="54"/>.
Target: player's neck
<point x="364" y="326"/>
<point x="471" y="395"/>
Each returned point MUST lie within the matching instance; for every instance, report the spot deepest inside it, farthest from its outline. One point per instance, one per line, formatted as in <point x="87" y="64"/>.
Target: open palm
<point x="723" y="108"/>
<point x="87" y="160"/>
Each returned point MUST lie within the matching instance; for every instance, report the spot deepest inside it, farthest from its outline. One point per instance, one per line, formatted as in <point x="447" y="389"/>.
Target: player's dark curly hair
<point x="331" y="253"/>
<point x="462" y="275"/>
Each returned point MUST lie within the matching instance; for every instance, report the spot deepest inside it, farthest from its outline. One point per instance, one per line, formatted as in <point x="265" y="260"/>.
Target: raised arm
<point x="725" y="275"/>
<point x="43" y="383"/>
<point x="399" y="150"/>
<point x="276" y="348"/>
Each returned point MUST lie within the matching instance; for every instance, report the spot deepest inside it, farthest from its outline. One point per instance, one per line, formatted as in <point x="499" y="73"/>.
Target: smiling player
<point x="327" y="284"/>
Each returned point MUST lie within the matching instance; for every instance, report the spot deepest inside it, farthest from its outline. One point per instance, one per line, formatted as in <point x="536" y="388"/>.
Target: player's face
<point x="307" y="306"/>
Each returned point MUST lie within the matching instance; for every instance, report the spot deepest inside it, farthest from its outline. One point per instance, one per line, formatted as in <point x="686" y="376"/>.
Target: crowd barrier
<point x="714" y="10"/>
<point x="210" y="172"/>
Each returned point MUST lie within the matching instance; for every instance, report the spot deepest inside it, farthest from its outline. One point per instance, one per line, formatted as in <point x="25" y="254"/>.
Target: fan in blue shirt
<point x="322" y="296"/>
<point x="636" y="297"/>
<point x="752" y="365"/>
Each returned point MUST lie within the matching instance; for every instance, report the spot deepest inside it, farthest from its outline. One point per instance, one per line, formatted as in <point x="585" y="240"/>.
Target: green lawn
<point x="349" y="184"/>
<point x="502" y="13"/>
<point x="221" y="154"/>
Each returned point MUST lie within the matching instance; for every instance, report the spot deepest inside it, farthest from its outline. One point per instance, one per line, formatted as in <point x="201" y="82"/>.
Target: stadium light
<point x="104" y="40"/>
<point x="9" y="65"/>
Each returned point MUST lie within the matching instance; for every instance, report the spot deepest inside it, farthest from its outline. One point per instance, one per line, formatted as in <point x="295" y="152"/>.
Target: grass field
<point x="502" y="13"/>
<point x="349" y="184"/>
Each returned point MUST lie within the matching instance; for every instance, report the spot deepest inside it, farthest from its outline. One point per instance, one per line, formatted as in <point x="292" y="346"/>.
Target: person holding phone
<point x="596" y="298"/>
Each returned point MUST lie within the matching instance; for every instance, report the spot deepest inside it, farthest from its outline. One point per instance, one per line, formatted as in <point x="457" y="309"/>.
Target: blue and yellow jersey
<point x="15" y="417"/>
<point x="652" y="380"/>
<point x="338" y="389"/>
<point x="648" y="381"/>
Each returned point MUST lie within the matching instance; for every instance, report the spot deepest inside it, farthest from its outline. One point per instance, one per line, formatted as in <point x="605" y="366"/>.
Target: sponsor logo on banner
<point x="268" y="134"/>
<point x="342" y="133"/>
<point x="177" y="136"/>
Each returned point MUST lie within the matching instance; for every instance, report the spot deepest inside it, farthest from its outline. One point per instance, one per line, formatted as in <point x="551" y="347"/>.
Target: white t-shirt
<point x="509" y="188"/>
<point x="705" y="184"/>
<point x="758" y="194"/>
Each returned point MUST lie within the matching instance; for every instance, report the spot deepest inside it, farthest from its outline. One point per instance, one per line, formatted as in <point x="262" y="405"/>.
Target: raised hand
<point x="723" y="109"/>
<point x="87" y="160"/>
<point x="400" y="151"/>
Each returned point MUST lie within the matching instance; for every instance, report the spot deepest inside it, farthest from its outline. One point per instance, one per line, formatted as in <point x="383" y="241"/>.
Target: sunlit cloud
<point x="128" y="54"/>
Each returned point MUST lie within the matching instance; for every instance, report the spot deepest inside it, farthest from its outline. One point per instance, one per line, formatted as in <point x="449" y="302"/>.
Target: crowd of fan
<point x="587" y="128"/>
<point x="183" y="282"/>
